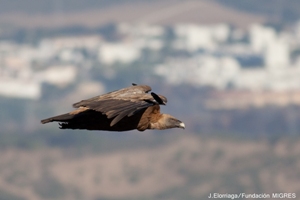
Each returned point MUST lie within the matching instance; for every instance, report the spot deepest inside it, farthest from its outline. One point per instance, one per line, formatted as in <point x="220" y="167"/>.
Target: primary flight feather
<point x="121" y="110"/>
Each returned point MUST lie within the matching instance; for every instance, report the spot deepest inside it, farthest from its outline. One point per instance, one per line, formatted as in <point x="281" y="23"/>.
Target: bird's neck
<point x="158" y="124"/>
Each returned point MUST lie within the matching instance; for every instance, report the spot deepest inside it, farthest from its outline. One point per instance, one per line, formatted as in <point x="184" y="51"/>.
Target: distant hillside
<point x="185" y="167"/>
<point x="97" y="12"/>
<point x="33" y="13"/>
<point x="276" y="10"/>
<point x="53" y="6"/>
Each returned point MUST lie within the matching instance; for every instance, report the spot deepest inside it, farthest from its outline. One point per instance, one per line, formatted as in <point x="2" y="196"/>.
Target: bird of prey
<point x="121" y="110"/>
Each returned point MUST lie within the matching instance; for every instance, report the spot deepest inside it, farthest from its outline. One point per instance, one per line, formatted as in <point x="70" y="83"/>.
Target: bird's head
<point x="172" y="122"/>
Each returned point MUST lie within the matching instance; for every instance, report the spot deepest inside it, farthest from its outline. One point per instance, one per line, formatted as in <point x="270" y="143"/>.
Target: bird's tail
<point x="59" y="118"/>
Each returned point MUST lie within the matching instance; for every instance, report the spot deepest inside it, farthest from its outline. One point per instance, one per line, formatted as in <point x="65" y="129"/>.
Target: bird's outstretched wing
<point x="125" y="94"/>
<point x="124" y="102"/>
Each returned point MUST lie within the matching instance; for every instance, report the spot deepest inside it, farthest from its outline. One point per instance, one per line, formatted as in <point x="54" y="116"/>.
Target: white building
<point x="277" y="54"/>
<point x="193" y="37"/>
<point x="60" y="76"/>
<point x="20" y="89"/>
<point x="201" y="70"/>
<point x="273" y="46"/>
<point x="110" y="53"/>
<point x="141" y="30"/>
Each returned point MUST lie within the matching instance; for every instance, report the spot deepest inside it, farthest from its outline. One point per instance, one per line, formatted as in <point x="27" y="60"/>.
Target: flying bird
<point x="121" y="110"/>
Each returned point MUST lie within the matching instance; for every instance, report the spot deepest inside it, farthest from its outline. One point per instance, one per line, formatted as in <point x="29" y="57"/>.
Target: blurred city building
<point x="257" y="59"/>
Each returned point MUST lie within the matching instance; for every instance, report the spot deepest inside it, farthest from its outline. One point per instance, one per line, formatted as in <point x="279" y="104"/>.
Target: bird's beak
<point x="182" y="125"/>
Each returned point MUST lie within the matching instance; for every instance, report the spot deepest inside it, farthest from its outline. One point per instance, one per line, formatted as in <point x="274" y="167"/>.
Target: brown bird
<point x="121" y="110"/>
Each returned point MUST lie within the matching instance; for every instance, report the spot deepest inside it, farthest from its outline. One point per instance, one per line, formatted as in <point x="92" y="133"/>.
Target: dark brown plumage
<point x="121" y="110"/>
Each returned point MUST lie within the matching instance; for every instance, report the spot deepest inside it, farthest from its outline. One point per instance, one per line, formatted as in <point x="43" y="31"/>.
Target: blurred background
<point x="229" y="68"/>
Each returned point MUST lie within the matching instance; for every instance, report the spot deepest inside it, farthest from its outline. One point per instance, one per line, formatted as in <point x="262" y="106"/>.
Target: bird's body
<point x="121" y="110"/>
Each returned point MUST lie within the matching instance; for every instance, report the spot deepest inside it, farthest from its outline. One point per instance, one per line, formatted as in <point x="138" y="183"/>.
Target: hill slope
<point x="155" y="12"/>
<point x="186" y="167"/>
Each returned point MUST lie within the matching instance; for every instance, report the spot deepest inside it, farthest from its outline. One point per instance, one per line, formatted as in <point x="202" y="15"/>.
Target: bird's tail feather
<point x="59" y="118"/>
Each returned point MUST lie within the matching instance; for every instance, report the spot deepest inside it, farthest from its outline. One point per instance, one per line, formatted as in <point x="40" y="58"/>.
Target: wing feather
<point x="118" y="118"/>
<point x="121" y="103"/>
<point x="125" y="93"/>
